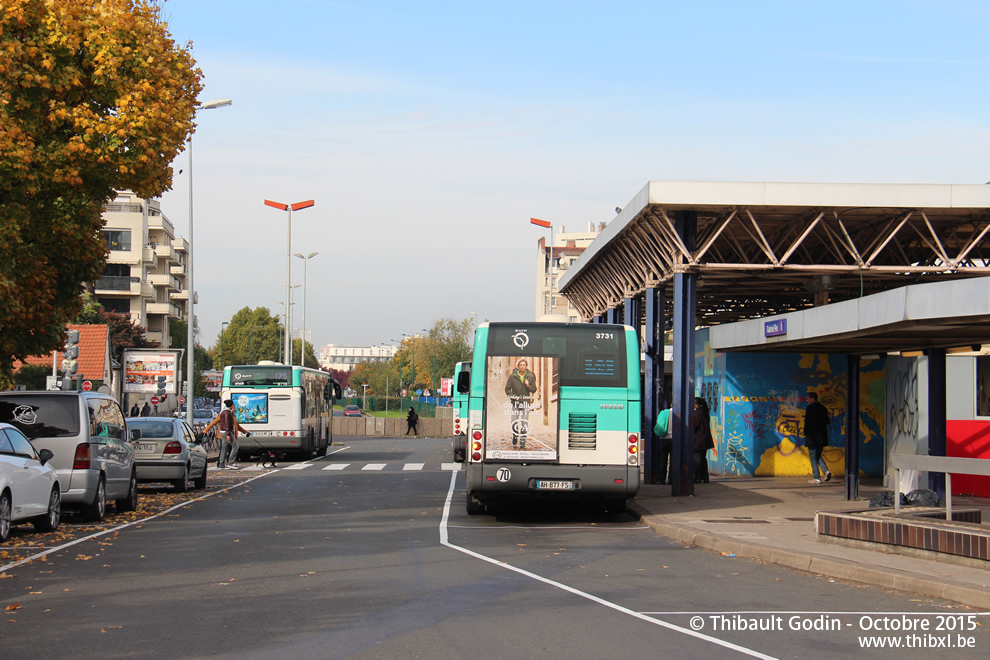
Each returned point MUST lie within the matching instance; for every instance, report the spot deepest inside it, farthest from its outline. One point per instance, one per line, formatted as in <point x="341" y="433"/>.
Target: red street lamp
<point x="289" y="208"/>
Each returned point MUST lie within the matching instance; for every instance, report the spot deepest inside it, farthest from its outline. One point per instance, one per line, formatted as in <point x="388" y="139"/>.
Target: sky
<point x="429" y="133"/>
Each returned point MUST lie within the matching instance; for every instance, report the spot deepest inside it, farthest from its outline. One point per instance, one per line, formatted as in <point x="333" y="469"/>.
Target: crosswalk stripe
<point x="298" y="466"/>
<point x="336" y="466"/>
<point x="374" y="466"/>
<point x="450" y="467"/>
<point x="413" y="466"/>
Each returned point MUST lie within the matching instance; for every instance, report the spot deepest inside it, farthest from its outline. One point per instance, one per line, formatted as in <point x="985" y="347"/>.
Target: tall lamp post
<point x="288" y="324"/>
<point x="305" y="258"/>
<point x="412" y="379"/>
<point x="400" y="368"/>
<point x="190" y="306"/>
<point x="223" y="338"/>
<point x="288" y="208"/>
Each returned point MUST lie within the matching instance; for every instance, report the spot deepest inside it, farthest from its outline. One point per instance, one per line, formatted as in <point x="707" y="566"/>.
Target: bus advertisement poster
<point x="522" y="408"/>
<point x="251" y="407"/>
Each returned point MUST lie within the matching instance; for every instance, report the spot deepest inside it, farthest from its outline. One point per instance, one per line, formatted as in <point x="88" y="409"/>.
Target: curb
<point x="821" y="564"/>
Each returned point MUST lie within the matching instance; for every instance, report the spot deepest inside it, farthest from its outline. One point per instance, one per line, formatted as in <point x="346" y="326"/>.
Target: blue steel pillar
<point x="852" y="427"/>
<point x="612" y="316"/>
<point x="937" y="444"/>
<point x="652" y="384"/>
<point x="685" y="287"/>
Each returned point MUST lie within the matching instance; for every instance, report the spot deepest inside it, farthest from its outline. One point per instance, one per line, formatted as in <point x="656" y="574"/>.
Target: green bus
<point x="459" y="403"/>
<point x="554" y="411"/>
<point x="284" y="407"/>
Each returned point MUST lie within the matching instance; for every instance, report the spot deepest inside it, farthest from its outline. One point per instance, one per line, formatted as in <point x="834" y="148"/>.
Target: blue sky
<point x="430" y="132"/>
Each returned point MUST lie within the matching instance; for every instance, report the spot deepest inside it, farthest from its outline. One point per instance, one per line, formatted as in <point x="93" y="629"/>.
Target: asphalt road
<point x="368" y="553"/>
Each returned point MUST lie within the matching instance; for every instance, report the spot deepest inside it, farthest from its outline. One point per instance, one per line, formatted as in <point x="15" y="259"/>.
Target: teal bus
<point x="554" y="412"/>
<point x="286" y="408"/>
<point x="459" y="404"/>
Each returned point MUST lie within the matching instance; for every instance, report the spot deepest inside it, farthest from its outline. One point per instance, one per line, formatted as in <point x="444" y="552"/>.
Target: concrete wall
<point x="391" y="427"/>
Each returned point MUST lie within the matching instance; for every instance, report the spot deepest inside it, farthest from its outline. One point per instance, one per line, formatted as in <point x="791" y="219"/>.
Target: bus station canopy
<point x="771" y="249"/>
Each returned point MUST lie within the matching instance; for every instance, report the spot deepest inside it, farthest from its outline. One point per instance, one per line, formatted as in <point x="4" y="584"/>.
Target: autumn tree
<point x="95" y="97"/>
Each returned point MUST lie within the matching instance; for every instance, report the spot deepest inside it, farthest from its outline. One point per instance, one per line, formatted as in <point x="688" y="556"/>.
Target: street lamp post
<point x="365" y="386"/>
<point x="306" y="258"/>
<point x="288" y="324"/>
<point x="223" y="340"/>
<point x="289" y="208"/>
<point x="190" y="311"/>
<point x="400" y="369"/>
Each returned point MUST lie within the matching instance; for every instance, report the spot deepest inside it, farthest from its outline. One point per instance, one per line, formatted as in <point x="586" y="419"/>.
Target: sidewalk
<point x="772" y="520"/>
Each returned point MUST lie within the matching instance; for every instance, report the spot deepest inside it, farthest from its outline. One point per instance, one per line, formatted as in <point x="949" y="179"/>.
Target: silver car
<point x="168" y="451"/>
<point x="89" y="438"/>
<point x="29" y="489"/>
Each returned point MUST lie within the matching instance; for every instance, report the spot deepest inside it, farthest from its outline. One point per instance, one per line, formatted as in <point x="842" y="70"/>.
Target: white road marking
<point x="298" y="466"/>
<point x="456" y="467"/>
<point x="412" y="466"/>
<point x="601" y="601"/>
<point x="374" y="466"/>
<point x="336" y="466"/>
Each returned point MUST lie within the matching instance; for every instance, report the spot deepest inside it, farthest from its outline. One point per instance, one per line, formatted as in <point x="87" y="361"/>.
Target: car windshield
<point x="49" y="416"/>
<point x="153" y="430"/>
<point x="205" y="414"/>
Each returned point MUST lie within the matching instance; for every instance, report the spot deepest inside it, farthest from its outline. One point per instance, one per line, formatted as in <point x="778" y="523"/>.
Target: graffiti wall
<point x="757" y="405"/>
<point x="907" y="421"/>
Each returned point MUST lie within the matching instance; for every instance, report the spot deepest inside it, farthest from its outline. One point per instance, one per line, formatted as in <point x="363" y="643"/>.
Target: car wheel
<point x="181" y="485"/>
<point x="49" y="521"/>
<point x="4" y="517"/>
<point x="129" y="503"/>
<point x="97" y="509"/>
<point x="200" y="482"/>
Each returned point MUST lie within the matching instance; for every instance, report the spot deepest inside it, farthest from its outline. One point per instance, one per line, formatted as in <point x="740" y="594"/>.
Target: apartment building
<point x="552" y="261"/>
<point x="345" y="358"/>
<point x="145" y="275"/>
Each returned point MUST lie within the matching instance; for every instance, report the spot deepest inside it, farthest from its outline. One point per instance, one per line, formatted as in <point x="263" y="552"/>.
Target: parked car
<point x="168" y="451"/>
<point x="352" y="411"/>
<point x="89" y="438"/>
<point x="29" y="490"/>
<point x="201" y="418"/>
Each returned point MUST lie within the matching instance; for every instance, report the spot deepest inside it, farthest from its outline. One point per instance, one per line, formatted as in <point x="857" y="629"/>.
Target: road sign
<point x="403" y="392"/>
<point x="182" y="399"/>
<point x="87" y="386"/>
<point x="154" y="400"/>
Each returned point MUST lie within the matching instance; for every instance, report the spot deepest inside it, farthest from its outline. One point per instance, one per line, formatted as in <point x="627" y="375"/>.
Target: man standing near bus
<point x="520" y="388"/>
<point x="228" y="435"/>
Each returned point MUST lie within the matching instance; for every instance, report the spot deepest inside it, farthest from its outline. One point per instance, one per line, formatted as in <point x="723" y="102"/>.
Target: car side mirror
<point x="135" y="434"/>
<point x="45" y="455"/>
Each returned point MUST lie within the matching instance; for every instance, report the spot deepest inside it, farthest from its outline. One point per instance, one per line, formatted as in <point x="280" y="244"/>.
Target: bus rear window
<point x="590" y="355"/>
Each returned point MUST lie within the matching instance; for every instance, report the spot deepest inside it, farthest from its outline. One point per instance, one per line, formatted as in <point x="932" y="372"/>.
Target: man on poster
<point x="520" y="387"/>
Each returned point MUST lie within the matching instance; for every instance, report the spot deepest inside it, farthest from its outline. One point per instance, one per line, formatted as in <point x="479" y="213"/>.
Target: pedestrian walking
<point x="816" y="438"/>
<point x="146" y="410"/>
<point x="228" y="428"/>
<point x="412" y="419"/>
<point x="135" y="411"/>
<point x="665" y="444"/>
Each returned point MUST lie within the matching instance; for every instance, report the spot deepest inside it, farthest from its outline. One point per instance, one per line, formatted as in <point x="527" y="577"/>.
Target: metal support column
<point x="653" y="472"/>
<point x="612" y="316"/>
<point x="685" y="285"/>
<point x="937" y="442"/>
<point x="852" y="427"/>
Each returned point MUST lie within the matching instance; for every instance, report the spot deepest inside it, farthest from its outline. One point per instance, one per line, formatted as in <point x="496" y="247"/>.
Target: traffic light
<point x="161" y="387"/>
<point x="70" y="356"/>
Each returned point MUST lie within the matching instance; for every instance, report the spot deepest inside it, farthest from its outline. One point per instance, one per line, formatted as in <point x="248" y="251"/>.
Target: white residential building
<point x="145" y="275"/>
<point x="551" y="264"/>
<point x="345" y="358"/>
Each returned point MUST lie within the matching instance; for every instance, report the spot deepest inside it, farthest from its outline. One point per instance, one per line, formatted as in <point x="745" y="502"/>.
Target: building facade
<point x="145" y="275"/>
<point x="552" y="262"/>
<point x="345" y="358"/>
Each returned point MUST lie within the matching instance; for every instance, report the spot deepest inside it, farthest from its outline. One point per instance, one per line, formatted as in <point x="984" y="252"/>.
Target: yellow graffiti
<point x="789" y="460"/>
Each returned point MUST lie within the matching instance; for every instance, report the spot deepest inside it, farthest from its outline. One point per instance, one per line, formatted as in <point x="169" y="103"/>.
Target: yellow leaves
<point x="13" y="606"/>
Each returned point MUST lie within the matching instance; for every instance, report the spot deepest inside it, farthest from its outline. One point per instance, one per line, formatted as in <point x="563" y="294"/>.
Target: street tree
<point x="95" y="97"/>
<point x="252" y="335"/>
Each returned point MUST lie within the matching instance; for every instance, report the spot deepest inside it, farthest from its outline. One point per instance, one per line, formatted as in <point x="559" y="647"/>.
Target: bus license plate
<point x="545" y="484"/>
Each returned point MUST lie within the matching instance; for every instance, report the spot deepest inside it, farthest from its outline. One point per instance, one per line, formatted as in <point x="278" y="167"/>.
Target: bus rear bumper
<point x="489" y="480"/>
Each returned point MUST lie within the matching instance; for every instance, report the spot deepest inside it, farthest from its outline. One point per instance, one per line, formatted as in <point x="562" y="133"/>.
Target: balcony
<point x="148" y="291"/>
<point x="117" y="284"/>
<point x="148" y="253"/>
<point x="180" y="244"/>
<point x="179" y="270"/>
<point x="165" y="280"/>
<point x="159" y="308"/>
<point x="166" y="252"/>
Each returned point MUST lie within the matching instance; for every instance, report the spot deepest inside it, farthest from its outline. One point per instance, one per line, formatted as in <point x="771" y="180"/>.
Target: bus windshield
<point x="260" y="376"/>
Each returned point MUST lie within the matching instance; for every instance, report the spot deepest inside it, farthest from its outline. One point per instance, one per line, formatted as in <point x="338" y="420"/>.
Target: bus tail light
<point x="476" y="456"/>
<point x="81" y="459"/>
<point x="173" y="448"/>
<point x="633" y="458"/>
<point x="476" y="435"/>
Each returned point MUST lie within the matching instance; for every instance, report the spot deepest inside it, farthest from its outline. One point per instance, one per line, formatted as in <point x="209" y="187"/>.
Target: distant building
<point x="345" y="358"/>
<point x="145" y="275"/>
<point x="551" y="264"/>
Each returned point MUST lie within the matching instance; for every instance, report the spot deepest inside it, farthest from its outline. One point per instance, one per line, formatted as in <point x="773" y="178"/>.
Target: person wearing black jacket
<point x="412" y="419"/>
<point x="703" y="440"/>
<point x="816" y="437"/>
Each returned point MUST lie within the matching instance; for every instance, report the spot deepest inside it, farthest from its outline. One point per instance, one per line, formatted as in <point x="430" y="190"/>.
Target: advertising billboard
<point x="522" y="408"/>
<point x="142" y="367"/>
<point x="212" y="378"/>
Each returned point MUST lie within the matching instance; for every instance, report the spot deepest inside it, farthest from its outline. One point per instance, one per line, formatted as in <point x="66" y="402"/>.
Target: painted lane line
<point x="412" y="466"/>
<point x="595" y="599"/>
<point x="95" y="535"/>
<point x="336" y="466"/>
<point x="374" y="466"/>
